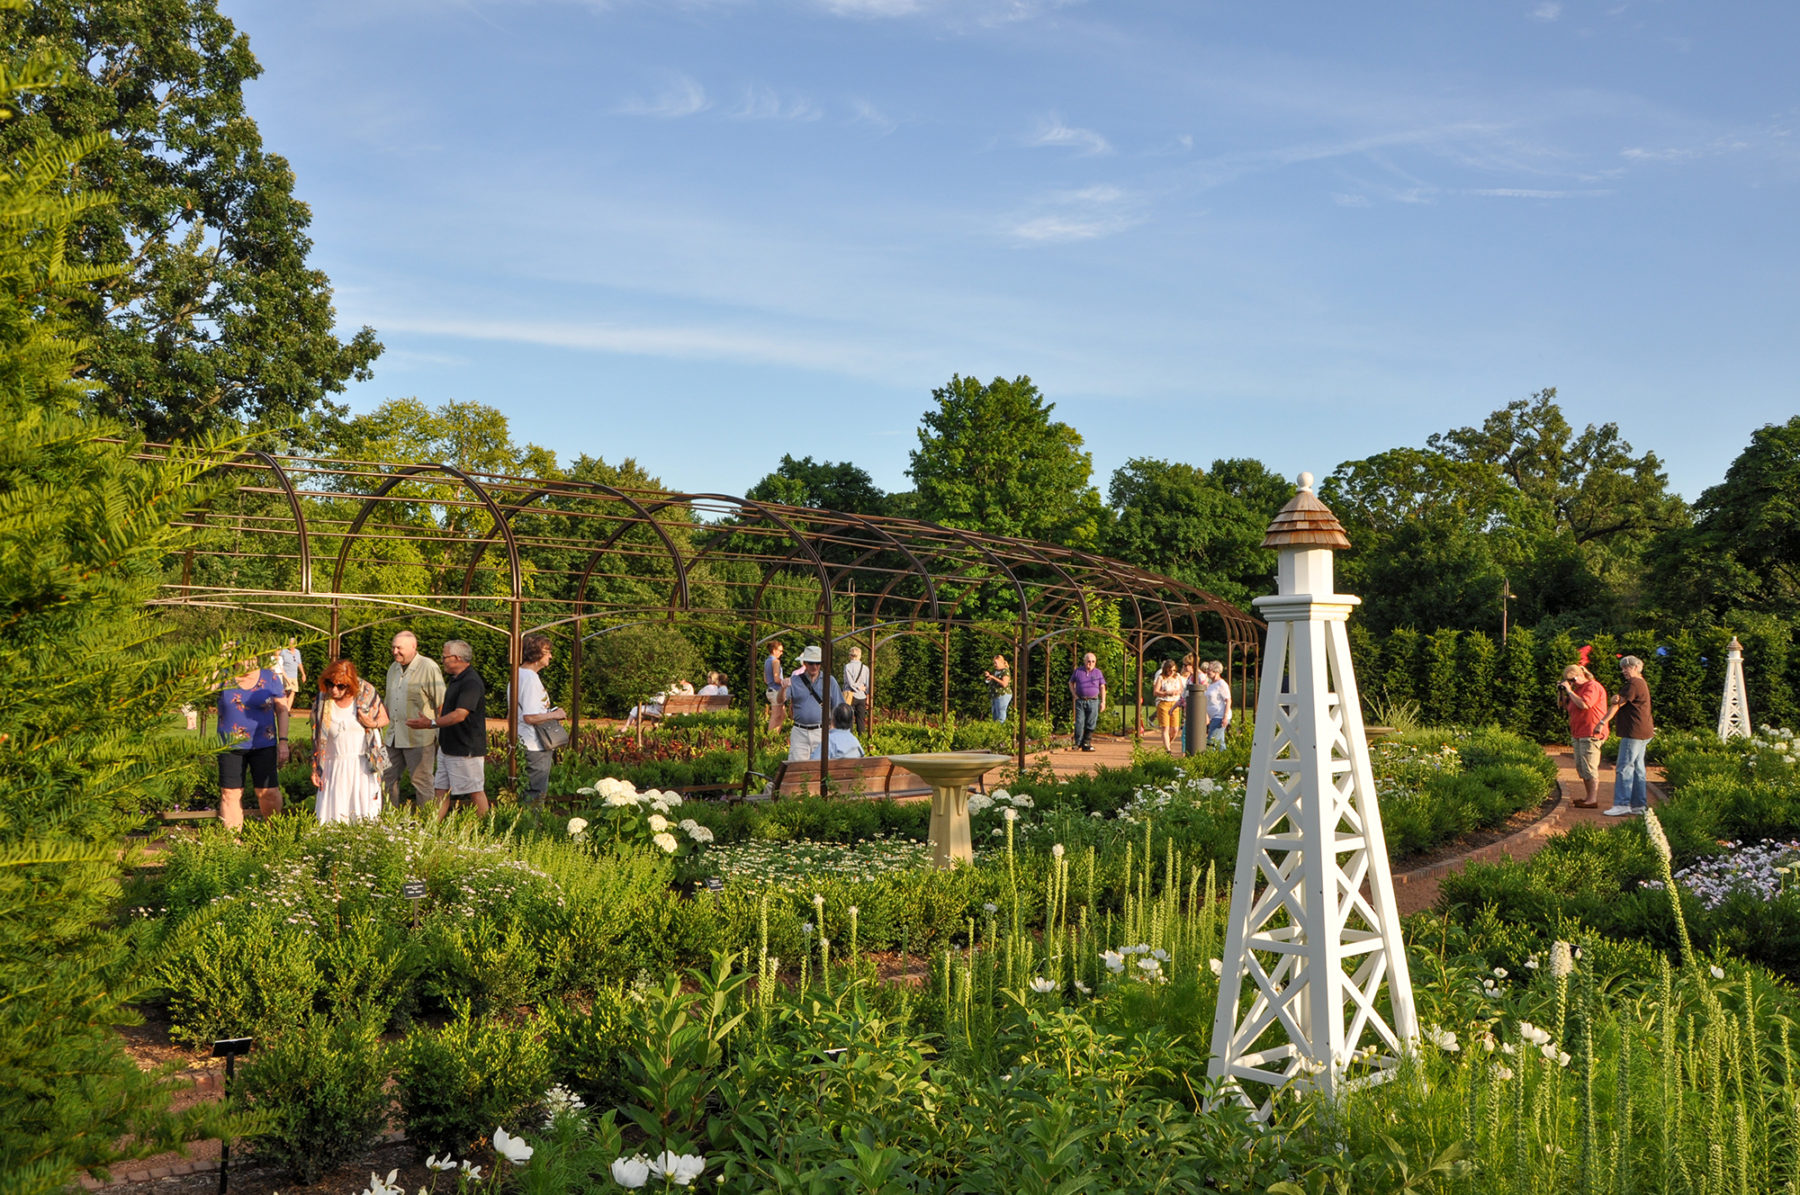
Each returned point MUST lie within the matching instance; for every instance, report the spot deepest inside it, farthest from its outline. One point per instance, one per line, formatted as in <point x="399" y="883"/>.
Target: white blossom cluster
<point x="1761" y="869"/>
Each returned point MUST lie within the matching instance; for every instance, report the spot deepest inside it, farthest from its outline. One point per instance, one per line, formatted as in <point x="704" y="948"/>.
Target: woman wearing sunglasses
<point x="348" y="754"/>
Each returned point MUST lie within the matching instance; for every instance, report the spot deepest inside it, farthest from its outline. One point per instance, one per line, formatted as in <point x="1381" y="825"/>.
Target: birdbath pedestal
<point x="950" y="773"/>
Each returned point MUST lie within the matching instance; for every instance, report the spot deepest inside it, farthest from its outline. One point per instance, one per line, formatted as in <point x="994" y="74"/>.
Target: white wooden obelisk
<point x="1314" y="935"/>
<point x="1734" y="708"/>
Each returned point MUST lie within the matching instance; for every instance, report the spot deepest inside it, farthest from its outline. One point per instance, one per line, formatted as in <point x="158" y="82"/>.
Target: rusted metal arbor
<point x="334" y="545"/>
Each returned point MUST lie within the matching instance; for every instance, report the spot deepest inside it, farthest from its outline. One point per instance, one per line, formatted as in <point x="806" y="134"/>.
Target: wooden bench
<point x="870" y="777"/>
<point x="693" y="703"/>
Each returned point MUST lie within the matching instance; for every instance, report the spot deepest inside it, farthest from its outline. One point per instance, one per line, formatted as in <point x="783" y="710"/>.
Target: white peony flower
<point x="1114" y="960"/>
<point x="666" y="841"/>
<point x="1042" y="986"/>
<point x="632" y="1172"/>
<point x="1499" y="972"/>
<point x="1149" y="966"/>
<point x="511" y="1148"/>
<point x="1443" y="1039"/>
<point x="680" y="1169"/>
<point x="1533" y="1034"/>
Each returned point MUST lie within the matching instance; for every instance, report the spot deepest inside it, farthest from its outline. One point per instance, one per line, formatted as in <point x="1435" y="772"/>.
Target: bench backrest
<point x="693" y="703"/>
<point x="871" y="776"/>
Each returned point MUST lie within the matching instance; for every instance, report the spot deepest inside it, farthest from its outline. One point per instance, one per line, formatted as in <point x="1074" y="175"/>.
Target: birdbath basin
<point x="950" y="773"/>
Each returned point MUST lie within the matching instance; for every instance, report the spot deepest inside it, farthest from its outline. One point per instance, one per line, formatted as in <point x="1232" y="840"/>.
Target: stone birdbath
<point x="950" y="773"/>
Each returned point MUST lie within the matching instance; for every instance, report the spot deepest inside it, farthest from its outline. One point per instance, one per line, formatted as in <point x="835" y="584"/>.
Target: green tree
<point x="990" y="458"/>
<point x="822" y="485"/>
<point x="634" y="663"/>
<point x="1744" y="546"/>
<point x="216" y="319"/>
<point x="84" y="528"/>
<point x="1199" y="527"/>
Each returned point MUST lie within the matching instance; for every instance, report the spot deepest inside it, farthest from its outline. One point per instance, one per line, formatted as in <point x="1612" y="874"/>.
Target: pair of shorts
<point x="1587" y="758"/>
<point x="259" y="762"/>
<point x="460" y="775"/>
<point x="1168" y="712"/>
<point x="773" y="696"/>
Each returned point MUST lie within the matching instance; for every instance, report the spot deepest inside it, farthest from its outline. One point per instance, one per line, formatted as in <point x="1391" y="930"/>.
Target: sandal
<point x="1585" y="804"/>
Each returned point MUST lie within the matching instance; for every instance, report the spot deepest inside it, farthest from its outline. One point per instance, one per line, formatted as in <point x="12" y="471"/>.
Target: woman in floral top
<point x="252" y="708"/>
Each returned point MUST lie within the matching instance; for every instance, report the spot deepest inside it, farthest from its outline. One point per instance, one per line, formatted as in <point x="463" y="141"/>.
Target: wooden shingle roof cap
<point x="1306" y="522"/>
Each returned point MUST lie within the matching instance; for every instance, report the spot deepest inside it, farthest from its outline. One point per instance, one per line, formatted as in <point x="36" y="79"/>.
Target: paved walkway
<point x="1416" y="891"/>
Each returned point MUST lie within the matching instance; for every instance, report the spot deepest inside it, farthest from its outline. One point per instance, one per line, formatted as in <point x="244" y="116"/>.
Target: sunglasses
<point x="336" y="687"/>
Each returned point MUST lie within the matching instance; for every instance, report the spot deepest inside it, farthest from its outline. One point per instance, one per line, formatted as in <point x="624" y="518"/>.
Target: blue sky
<point x="704" y="234"/>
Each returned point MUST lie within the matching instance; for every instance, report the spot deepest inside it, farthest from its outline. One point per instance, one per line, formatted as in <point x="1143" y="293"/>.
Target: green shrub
<point x="455" y="1085"/>
<point x="236" y="977"/>
<point x="321" y="1090"/>
<point x="587" y="1048"/>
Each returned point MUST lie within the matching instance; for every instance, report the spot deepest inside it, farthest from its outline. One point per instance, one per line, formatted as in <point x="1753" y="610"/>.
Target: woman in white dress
<point x="347" y="711"/>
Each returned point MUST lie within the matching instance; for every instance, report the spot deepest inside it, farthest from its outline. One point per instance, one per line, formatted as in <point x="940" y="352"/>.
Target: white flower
<point x="560" y="1101"/>
<point x="381" y="1186"/>
<point x="1114" y="960"/>
<point x="471" y="1171"/>
<point x="577" y="826"/>
<point x="979" y="803"/>
<point x="1499" y="972"/>
<point x="1502" y="1071"/>
<point x="1057" y="851"/>
<point x="1531" y="962"/>
<point x="666" y="841"/>
<point x="1149" y="966"/>
<point x="1533" y="1034"/>
<point x="1562" y="961"/>
<point x="1549" y="1050"/>
<point x="1653" y="827"/>
<point x="631" y="1172"/>
<point x="1042" y="986"/>
<point x="990" y="908"/>
<point x="1024" y="801"/>
<point x="436" y="1163"/>
<point x="806" y="927"/>
<point x="658" y="823"/>
<point x="818" y="900"/>
<point x="511" y="1148"/>
<point x="619" y="800"/>
<point x="1507" y="1047"/>
<point x="1011" y="815"/>
<point x="681" y="1169"/>
<point x="1160" y="955"/>
<point x="1218" y="968"/>
<point x="1002" y="795"/>
<point x="1717" y="972"/>
<point x="696" y="831"/>
<point x="1443" y="1039"/>
<point x="671" y="799"/>
<point x="1083" y="988"/>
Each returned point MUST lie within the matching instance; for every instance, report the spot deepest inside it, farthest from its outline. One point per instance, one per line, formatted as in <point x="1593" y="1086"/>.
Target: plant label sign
<point x="715" y="884"/>
<point x="413" y="890"/>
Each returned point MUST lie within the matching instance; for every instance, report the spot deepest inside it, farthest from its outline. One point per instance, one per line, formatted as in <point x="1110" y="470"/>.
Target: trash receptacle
<point x="1193" y="726"/>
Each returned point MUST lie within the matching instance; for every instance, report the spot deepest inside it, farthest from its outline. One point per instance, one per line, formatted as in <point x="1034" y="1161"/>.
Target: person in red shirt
<point x="1584" y="698"/>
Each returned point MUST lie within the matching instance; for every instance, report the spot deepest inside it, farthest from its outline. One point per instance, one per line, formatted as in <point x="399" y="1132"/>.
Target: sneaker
<point x="1618" y="811"/>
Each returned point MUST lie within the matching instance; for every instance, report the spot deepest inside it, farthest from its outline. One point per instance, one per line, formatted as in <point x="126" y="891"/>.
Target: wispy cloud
<point x="683" y="96"/>
<point x="1083" y="215"/>
<point x="765" y="103"/>
<point x="872" y="8"/>
<point x="1533" y="193"/>
<point x="863" y="112"/>
<point x="1546" y="12"/>
<point x="1053" y="132"/>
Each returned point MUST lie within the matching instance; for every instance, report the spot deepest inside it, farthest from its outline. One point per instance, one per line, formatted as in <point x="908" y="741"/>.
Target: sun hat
<point x="812" y="655"/>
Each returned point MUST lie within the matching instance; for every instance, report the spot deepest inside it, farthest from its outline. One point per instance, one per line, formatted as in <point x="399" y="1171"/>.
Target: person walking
<point x="535" y="710"/>
<point x="1629" y="713"/>
<point x="1584" y="699"/>
<point x="414" y="689"/>
<point x="856" y="686"/>
<point x="774" y="686"/>
<point x="461" y="723"/>
<point x="1218" y="704"/>
<point x="249" y="706"/>
<point x="1167" y="690"/>
<point x="349" y="758"/>
<point x="842" y="742"/>
<point x="999" y="683"/>
<point x="807" y="695"/>
<point x="1087" y="685"/>
<point x="291" y="666"/>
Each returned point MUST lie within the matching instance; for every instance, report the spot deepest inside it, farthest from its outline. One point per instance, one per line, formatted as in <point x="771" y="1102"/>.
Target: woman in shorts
<point x="252" y="707"/>
<point x="1168" y="689"/>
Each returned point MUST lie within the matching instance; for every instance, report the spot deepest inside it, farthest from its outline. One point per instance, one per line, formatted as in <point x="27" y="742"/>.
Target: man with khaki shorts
<point x="1584" y="698"/>
<point x="415" y="689"/>
<point x="462" y="740"/>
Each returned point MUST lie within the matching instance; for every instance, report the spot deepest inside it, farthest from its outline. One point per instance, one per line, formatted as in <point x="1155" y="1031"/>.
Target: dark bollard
<point x="228" y="1048"/>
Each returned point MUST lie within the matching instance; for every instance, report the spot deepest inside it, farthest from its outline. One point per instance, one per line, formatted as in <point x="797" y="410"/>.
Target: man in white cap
<point x="808" y="701"/>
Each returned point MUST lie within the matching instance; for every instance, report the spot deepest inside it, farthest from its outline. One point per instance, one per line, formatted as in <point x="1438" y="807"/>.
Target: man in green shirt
<point x="415" y="689"/>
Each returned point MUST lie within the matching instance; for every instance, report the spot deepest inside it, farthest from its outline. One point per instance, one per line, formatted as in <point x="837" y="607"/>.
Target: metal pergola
<point x="334" y="545"/>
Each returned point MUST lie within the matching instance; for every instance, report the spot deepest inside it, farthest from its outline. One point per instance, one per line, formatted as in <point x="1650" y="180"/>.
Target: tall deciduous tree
<point x="216" y="319"/>
<point x="1205" y="528"/>
<point x="991" y="458"/>
<point x="824" y="485"/>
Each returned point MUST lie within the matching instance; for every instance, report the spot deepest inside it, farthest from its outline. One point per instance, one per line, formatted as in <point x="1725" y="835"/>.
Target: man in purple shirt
<point x="1087" y="685"/>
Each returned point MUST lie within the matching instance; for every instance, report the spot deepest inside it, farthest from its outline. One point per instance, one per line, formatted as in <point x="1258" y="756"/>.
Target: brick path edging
<point x="189" y="1167"/>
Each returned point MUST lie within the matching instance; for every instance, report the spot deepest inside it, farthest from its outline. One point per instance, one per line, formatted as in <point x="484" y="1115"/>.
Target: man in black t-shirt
<point x="461" y="724"/>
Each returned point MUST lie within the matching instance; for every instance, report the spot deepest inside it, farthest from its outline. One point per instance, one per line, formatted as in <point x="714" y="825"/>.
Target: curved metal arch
<point x="293" y="497"/>
<point x="387" y="487"/>
<point x="681" y="573"/>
